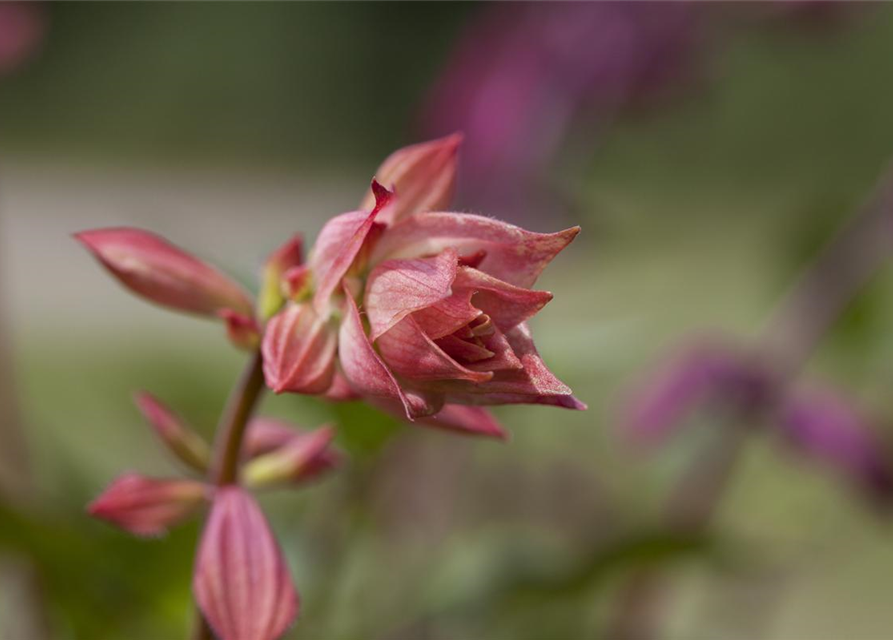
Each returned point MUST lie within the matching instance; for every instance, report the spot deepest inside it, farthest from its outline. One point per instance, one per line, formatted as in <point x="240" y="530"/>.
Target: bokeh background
<point x="708" y="151"/>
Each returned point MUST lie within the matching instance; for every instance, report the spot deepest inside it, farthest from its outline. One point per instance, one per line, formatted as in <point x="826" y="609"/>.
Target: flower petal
<point x="512" y="254"/>
<point x="506" y="304"/>
<point x="422" y="175"/>
<point x="153" y="268"/>
<point x="242" y="331"/>
<point x="148" y="506"/>
<point x="467" y="420"/>
<point x="364" y="369"/>
<point x="410" y="353"/>
<point x="241" y="581"/>
<point x="534" y="384"/>
<point x="448" y="315"/>
<point x="397" y="288"/>
<point x="299" y="351"/>
<point x="179" y="437"/>
<point x="340" y="243"/>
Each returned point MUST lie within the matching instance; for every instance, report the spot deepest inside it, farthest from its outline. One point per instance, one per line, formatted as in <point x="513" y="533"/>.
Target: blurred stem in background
<point x="228" y="444"/>
<point x="788" y="340"/>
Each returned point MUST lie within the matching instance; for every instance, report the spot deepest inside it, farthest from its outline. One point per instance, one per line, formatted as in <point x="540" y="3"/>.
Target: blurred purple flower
<point x="818" y="423"/>
<point x="829" y="429"/>
<point x="22" y="27"/>
<point x="523" y="72"/>
<point x="708" y="373"/>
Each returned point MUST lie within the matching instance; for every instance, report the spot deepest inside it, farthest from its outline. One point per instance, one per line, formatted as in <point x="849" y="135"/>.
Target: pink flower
<point x="419" y="309"/>
<point x="241" y="581"/>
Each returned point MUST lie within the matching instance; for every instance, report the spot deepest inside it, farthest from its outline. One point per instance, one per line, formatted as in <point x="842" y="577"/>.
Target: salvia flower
<point x="419" y="309"/>
<point x="817" y="422"/>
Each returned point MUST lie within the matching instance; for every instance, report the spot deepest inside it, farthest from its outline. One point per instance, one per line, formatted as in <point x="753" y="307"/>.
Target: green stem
<point x="228" y="444"/>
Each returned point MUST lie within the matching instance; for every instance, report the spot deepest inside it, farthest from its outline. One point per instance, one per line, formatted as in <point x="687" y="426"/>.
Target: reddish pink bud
<point x="422" y="175"/>
<point x="241" y="581"/>
<point x="299" y="351"/>
<point x="179" y="437"/>
<point x="295" y="280"/>
<point x="301" y="456"/>
<point x="148" y="506"/>
<point x="241" y="330"/>
<point x="153" y="268"/>
<point x="287" y="257"/>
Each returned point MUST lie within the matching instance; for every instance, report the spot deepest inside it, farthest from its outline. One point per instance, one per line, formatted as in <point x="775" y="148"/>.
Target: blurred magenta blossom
<point x="522" y="74"/>
<point x="728" y="382"/>
<point x="22" y="30"/>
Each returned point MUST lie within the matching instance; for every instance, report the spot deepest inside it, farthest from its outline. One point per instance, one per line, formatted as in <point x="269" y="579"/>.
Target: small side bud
<point x="286" y="257"/>
<point x="241" y="330"/>
<point x="174" y="432"/>
<point x="148" y="506"/>
<point x="303" y="456"/>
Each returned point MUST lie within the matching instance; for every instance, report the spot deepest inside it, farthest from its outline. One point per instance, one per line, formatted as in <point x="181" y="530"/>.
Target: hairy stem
<point x="789" y="338"/>
<point x="228" y="439"/>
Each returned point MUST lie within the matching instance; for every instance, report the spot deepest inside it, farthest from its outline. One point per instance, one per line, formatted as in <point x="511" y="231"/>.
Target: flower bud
<point x="148" y="506"/>
<point x="241" y="330"/>
<point x="302" y="456"/>
<point x="286" y="257"/>
<point x="154" y="269"/>
<point x="173" y="431"/>
<point x="241" y="580"/>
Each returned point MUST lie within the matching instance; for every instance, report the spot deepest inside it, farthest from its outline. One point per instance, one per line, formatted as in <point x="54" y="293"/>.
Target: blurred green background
<point x="227" y="126"/>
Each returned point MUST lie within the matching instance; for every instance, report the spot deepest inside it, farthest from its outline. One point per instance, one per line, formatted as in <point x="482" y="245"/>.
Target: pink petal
<point x="242" y="331"/>
<point x="266" y="434"/>
<point x="512" y="254"/>
<point x="148" y="506"/>
<point x="364" y="369"/>
<point x="153" y="268"/>
<point x="340" y="389"/>
<point x="422" y="175"/>
<point x="340" y="243"/>
<point x="397" y="288"/>
<point x="534" y="384"/>
<point x="504" y="357"/>
<point x="468" y="420"/>
<point x="411" y="354"/>
<point x="299" y="351"/>
<point x="174" y="432"/>
<point x="506" y="304"/>
<point x="448" y="315"/>
<point x="241" y="581"/>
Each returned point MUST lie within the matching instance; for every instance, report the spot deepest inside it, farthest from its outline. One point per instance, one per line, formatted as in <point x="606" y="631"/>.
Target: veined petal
<point x="505" y="303"/>
<point x="422" y="175"/>
<point x="340" y="242"/>
<point x="534" y="384"/>
<point x="511" y="254"/>
<point x="241" y="581"/>
<point x="410" y="353"/>
<point x="147" y="506"/>
<point x="448" y="315"/>
<point x="365" y="371"/>
<point x="299" y="351"/>
<point x="503" y="358"/>
<point x="397" y="288"/>
<point x="156" y="270"/>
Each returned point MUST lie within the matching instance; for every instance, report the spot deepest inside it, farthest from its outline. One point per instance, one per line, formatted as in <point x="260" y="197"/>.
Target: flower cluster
<point x="417" y="310"/>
